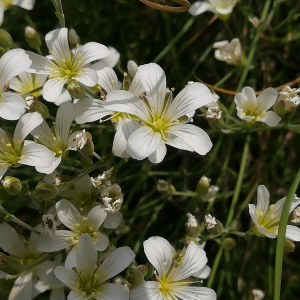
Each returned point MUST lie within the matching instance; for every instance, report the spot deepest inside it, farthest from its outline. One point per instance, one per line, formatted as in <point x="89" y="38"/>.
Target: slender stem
<point x="31" y="92"/>
<point x="187" y="194"/>
<point x="97" y="156"/>
<point x="281" y="236"/>
<point x="43" y="259"/>
<point x="215" y="267"/>
<point x="12" y="218"/>
<point x="59" y="12"/>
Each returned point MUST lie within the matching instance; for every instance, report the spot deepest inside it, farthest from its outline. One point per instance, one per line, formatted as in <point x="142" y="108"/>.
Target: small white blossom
<point x="49" y="224"/>
<point x="79" y="141"/>
<point x="192" y="221"/>
<point x="257" y="294"/>
<point x="229" y="52"/>
<point x="112" y="198"/>
<point x="211" y="194"/>
<point x="296" y="216"/>
<point x="213" y="111"/>
<point x="252" y="109"/>
<point x="102" y="181"/>
<point x="210" y="222"/>
<point x="290" y="95"/>
<point x="255" y="21"/>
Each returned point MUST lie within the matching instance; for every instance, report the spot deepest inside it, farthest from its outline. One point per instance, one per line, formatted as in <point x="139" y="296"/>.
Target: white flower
<point x="5" y="4"/>
<point x="15" y="151"/>
<point x="266" y="218"/>
<point x="90" y="110"/>
<point x="102" y="181"/>
<point x="64" y="64"/>
<point x="162" y="117"/>
<point x="79" y="141"/>
<point x="79" y="225"/>
<point x="49" y="224"/>
<point x="112" y="198"/>
<point x="287" y="101"/>
<point x="172" y="280"/>
<point x="28" y="254"/>
<point x="229" y="52"/>
<point x="296" y="216"/>
<point x="112" y="59"/>
<point x="89" y="280"/>
<point x="254" y="20"/>
<point x="250" y="108"/>
<point x="219" y="7"/>
<point x="59" y="140"/>
<point x="12" y="63"/>
<point x="210" y="222"/>
<point x="211" y="194"/>
<point x="257" y="294"/>
<point x="213" y="110"/>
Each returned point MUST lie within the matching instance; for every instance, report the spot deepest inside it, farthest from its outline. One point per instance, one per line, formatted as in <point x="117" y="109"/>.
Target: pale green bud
<point x="74" y="38"/>
<point x="150" y="269"/>
<point x="289" y="246"/>
<point x="135" y="277"/>
<point x="12" y="185"/>
<point x="189" y="239"/>
<point x="32" y="38"/>
<point x="229" y="243"/>
<point x="213" y="225"/>
<point x="165" y="187"/>
<point x="33" y="104"/>
<point x="6" y="40"/>
<point x="76" y="89"/>
<point x="46" y="190"/>
<point x="10" y="265"/>
<point x="203" y="186"/>
<point x="143" y="269"/>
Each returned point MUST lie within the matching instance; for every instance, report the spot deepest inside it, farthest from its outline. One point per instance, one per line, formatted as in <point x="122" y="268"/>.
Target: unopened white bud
<point x="132" y="68"/>
<point x="257" y="294"/>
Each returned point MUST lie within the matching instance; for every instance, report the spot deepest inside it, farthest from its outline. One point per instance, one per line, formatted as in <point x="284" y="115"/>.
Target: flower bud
<point x="46" y="190"/>
<point x="150" y="269"/>
<point x="32" y="38"/>
<point x="203" y="186"/>
<point x="189" y="239"/>
<point x="33" y="104"/>
<point x="165" y="187"/>
<point x="289" y="246"/>
<point x="192" y="226"/>
<point x="12" y="185"/>
<point x="132" y="68"/>
<point x="83" y="143"/>
<point x="135" y="277"/>
<point x="74" y="38"/>
<point x="287" y="101"/>
<point x="143" y="269"/>
<point x="257" y="294"/>
<point x="6" y="40"/>
<point x="9" y="264"/>
<point x="76" y="89"/>
<point x="229" y="243"/>
<point x="213" y="225"/>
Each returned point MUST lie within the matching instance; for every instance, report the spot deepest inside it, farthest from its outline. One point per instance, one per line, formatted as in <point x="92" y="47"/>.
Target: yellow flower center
<point x="82" y="228"/>
<point x="9" y="153"/>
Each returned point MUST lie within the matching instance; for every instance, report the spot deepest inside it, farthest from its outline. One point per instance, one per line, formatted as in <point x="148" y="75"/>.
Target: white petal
<point x="90" y="110"/>
<point x="126" y="102"/>
<point x="93" y="51"/>
<point x="195" y="293"/>
<point x="136" y="86"/>
<point x="10" y="241"/>
<point x="115" y="263"/>
<point x="36" y="155"/>
<point x="193" y="136"/>
<point x="67" y="276"/>
<point x="2" y="275"/>
<point x="108" y="79"/>
<point x="194" y="260"/>
<point x="111" y="291"/>
<point x="295" y="203"/>
<point x="26" y="124"/>
<point x="68" y="214"/>
<point x="12" y="63"/>
<point x="64" y="117"/>
<point x="292" y="233"/>
<point x="76" y="296"/>
<point x="112" y="59"/>
<point x="203" y="273"/>
<point x="267" y="98"/>
<point x="96" y="216"/>
<point x="250" y="95"/>
<point x="102" y="242"/>
<point x="241" y="101"/>
<point x="158" y="155"/>
<point x="263" y="231"/>
<point x="143" y="142"/>
<point x="147" y="290"/>
<point x="189" y="99"/>
<point x="252" y="210"/>
<point x="178" y="143"/>
<point x="89" y="77"/>
<point x="224" y="11"/>
<point x="45" y="272"/>
<point x="57" y="294"/>
<point x="59" y="241"/>
<point x="159" y="253"/>
<point x="270" y="118"/>
<point x="40" y="64"/>
<point x="52" y="89"/>
<point x="153" y="79"/>
<point x="71" y="261"/>
<point x="112" y="221"/>
<point x="263" y="199"/>
<point x="22" y="289"/>
<point x="49" y="170"/>
<point x="199" y="7"/>
<point x="64" y="97"/>
<point x="26" y="4"/>
<point x="3" y="169"/>
<point x="86" y="255"/>
<point x="12" y="106"/>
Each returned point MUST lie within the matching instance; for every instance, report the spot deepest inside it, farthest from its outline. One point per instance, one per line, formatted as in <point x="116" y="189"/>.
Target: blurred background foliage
<point x="141" y="33"/>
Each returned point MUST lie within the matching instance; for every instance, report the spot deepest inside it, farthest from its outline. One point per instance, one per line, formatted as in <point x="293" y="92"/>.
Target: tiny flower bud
<point x="192" y="225"/>
<point x="6" y="40"/>
<point x="143" y="269"/>
<point x="76" y="89"/>
<point x="32" y="38"/>
<point x="12" y="185"/>
<point x="203" y="186"/>
<point x="9" y="264"/>
<point x="46" y="190"/>
<point x="165" y="187"/>
<point x="74" y="38"/>
<point x="150" y="269"/>
<point x="112" y="198"/>
<point x="229" y="243"/>
<point x="213" y="226"/>
<point x="189" y="239"/>
<point x="86" y="162"/>
<point x="49" y="224"/>
<point x="135" y="277"/>
<point x="257" y="294"/>
<point x="33" y="104"/>
<point x="289" y="246"/>
<point x="132" y="68"/>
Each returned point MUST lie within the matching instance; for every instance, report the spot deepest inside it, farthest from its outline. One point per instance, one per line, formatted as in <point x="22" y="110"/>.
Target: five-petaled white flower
<point x="163" y="118"/>
<point x="15" y="151"/>
<point x="64" y="64"/>
<point x="172" y="280"/>
<point x="79" y="225"/>
<point x="266" y="218"/>
<point x="223" y="8"/>
<point x="88" y="280"/>
<point x="251" y="109"/>
<point x="5" y="4"/>
<point x="12" y="63"/>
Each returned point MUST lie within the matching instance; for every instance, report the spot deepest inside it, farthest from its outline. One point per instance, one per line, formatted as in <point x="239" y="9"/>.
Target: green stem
<point x="281" y="236"/>
<point x="31" y="92"/>
<point x="214" y="267"/>
<point x="187" y="194"/>
<point x="12" y="218"/>
<point x="59" y="12"/>
<point x="97" y="156"/>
